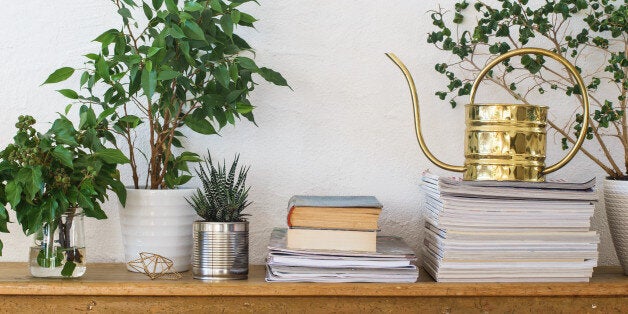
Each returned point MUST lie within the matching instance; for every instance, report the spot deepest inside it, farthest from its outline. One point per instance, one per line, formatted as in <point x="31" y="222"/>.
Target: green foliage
<point x="223" y="197"/>
<point x="567" y="27"/>
<point x="184" y="66"/>
<point x="44" y="175"/>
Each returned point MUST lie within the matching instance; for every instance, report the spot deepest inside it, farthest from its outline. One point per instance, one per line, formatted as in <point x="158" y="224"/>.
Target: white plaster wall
<point x="345" y="129"/>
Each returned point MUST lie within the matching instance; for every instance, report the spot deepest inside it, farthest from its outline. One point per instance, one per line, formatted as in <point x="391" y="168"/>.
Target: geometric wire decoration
<point x="154" y="266"/>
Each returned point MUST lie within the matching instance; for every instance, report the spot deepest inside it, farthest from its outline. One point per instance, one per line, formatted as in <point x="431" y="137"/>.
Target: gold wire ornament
<point x="155" y="266"/>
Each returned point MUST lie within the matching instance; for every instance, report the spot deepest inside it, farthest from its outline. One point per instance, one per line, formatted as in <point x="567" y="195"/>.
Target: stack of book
<point x="493" y="231"/>
<point x="334" y="239"/>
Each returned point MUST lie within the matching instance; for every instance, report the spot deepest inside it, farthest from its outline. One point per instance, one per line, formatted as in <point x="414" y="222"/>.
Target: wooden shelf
<point x="108" y="287"/>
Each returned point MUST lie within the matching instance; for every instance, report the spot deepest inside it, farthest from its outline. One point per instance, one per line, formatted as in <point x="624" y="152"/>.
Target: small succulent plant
<point x="223" y="196"/>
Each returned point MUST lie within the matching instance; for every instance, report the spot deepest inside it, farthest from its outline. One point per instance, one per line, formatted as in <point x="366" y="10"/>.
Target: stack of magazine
<point x="392" y="262"/>
<point x="489" y="231"/>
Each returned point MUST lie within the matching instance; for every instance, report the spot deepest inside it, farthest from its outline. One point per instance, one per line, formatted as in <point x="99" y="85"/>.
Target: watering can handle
<point x="417" y="118"/>
<point x="574" y="72"/>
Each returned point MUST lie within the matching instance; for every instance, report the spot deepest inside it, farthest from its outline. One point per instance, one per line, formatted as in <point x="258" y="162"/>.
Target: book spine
<point x="289" y="216"/>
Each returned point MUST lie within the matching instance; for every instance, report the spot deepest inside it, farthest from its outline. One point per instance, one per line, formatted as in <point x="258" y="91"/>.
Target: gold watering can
<point x="504" y="142"/>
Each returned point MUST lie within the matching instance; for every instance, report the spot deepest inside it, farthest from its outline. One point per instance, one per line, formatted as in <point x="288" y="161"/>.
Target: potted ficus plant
<point x="52" y="180"/>
<point x="576" y="30"/>
<point x="180" y="67"/>
<point x="221" y="239"/>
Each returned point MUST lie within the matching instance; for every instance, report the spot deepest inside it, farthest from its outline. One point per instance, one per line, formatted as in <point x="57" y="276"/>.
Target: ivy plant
<point x="43" y="175"/>
<point x="169" y="65"/>
<point x="572" y="28"/>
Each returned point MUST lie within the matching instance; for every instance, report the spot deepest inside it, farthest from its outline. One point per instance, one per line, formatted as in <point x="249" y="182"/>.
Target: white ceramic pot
<point x="616" y="202"/>
<point x="158" y="221"/>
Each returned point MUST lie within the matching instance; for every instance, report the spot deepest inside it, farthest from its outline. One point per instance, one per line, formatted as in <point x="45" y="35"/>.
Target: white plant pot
<point x="158" y="221"/>
<point x="616" y="202"/>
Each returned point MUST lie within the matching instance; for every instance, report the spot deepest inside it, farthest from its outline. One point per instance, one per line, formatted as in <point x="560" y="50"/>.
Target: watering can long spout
<point x="417" y="118"/>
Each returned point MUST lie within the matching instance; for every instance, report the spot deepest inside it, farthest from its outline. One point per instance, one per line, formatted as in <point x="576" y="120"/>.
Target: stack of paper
<point x="508" y="231"/>
<point x="393" y="262"/>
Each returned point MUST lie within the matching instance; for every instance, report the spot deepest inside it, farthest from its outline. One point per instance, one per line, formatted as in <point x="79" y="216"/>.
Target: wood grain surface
<point x="111" y="288"/>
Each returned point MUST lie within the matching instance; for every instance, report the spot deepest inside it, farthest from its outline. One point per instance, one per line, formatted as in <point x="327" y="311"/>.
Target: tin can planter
<point x="221" y="250"/>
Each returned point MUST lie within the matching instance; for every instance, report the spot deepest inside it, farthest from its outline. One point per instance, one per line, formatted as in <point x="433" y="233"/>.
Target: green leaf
<point x="105" y="114"/>
<point x="532" y="65"/>
<point x="68" y="269"/>
<point x="84" y="78"/>
<point x="31" y="181"/>
<point x="67" y="108"/>
<point x="49" y="209"/>
<point x="102" y="68"/>
<point x="63" y="131"/>
<point x="120" y="191"/>
<point x="222" y="75"/>
<point x="246" y="19"/>
<point x="87" y="117"/>
<point x="112" y="156"/>
<point x="167" y="75"/>
<point x="72" y="194"/>
<point x="183" y="179"/>
<point x="62" y="200"/>
<point x="198" y="123"/>
<point x="4" y="219"/>
<point x="235" y="16"/>
<point x="96" y="212"/>
<point x="157" y="4"/>
<point x="43" y="260"/>
<point x="63" y="155"/>
<point x="246" y="63"/>
<point x="68" y="93"/>
<point x="227" y="24"/>
<point x="189" y="157"/>
<point x="152" y="51"/>
<point x="59" y="75"/>
<point x="176" y="32"/>
<point x="125" y="12"/>
<point x="149" y="65"/>
<point x="14" y="193"/>
<point x="149" y="82"/>
<point x="105" y="39"/>
<point x="233" y="95"/>
<point x="193" y="31"/>
<point x="273" y="76"/>
<point x="243" y="108"/>
<point x="193" y="6"/>
<point x="171" y="6"/>
<point x="215" y="5"/>
<point x="131" y="3"/>
<point x="132" y="120"/>
<point x="147" y="10"/>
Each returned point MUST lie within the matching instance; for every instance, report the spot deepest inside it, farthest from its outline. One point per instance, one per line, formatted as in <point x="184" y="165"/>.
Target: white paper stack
<point x="488" y="231"/>
<point x="393" y="262"/>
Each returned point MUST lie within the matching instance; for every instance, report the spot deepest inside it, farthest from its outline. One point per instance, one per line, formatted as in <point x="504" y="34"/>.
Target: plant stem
<point x="65" y="228"/>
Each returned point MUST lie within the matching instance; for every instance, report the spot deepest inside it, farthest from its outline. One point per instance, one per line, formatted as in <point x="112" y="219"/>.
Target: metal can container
<point x="505" y="142"/>
<point x="221" y="250"/>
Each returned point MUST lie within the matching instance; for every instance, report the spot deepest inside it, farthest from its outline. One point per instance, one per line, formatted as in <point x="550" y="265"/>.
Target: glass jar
<point x="58" y="249"/>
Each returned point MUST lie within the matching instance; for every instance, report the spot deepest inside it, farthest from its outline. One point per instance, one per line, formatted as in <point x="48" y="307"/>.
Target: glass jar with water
<point x="58" y="248"/>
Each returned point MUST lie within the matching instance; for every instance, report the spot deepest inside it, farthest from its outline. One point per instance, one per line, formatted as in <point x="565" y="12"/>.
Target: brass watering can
<point x="504" y="142"/>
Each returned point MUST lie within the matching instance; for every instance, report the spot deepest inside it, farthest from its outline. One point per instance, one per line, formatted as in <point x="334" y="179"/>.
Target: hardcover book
<point x="334" y="212"/>
<point x="315" y="239"/>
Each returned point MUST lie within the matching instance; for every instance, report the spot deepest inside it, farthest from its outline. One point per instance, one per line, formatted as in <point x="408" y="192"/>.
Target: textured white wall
<point x="345" y="129"/>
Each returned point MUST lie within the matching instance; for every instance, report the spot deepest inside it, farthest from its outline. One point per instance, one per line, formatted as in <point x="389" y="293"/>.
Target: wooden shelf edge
<point x="114" y="280"/>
